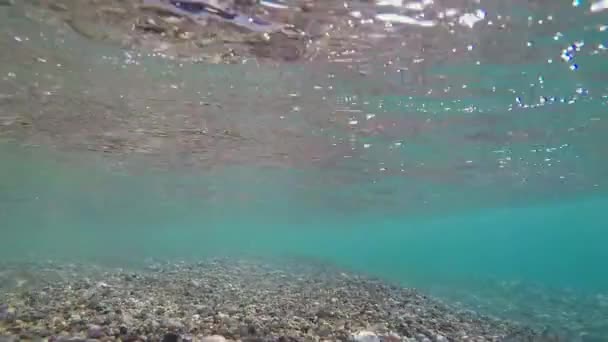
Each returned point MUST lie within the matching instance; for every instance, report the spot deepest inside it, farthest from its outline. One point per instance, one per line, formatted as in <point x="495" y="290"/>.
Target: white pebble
<point x="213" y="338"/>
<point x="366" y="336"/>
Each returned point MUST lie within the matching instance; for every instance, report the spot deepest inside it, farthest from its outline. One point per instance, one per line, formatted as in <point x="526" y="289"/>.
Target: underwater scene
<point x="304" y="170"/>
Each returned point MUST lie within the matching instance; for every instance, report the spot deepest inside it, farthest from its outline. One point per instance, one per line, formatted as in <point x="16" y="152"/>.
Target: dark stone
<point x="343" y="336"/>
<point x="34" y="316"/>
<point x="26" y="335"/>
<point x="251" y="330"/>
<point x="243" y="330"/>
<point x="323" y="313"/>
<point x="123" y="330"/>
<point x="3" y="312"/>
<point x="170" y="337"/>
<point x="5" y="315"/>
<point x="288" y="339"/>
<point x="347" y="325"/>
<point x="42" y="332"/>
<point x="324" y="331"/>
<point x="202" y="310"/>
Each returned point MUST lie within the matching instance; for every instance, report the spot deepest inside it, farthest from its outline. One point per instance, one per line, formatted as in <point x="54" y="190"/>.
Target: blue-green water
<point x="50" y="210"/>
<point x="484" y="180"/>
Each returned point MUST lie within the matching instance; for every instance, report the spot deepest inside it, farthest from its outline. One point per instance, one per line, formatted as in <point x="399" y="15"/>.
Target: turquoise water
<point x="50" y="210"/>
<point x="478" y="177"/>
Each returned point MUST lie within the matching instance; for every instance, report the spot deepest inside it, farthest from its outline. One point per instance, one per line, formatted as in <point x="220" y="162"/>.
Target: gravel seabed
<point x="220" y="299"/>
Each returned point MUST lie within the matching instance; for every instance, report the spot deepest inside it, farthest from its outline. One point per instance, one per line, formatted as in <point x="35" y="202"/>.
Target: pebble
<point x="391" y="337"/>
<point x="7" y="313"/>
<point x="173" y="323"/>
<point x="170" y="337"/>
<point x="421" y="337"/>
<point x="213" y="338"/>
<point x="95" y="331"/>
<point x="440" y="338"/>
<point x="366" y="336"/>
<point x="3" y="312"/>
<point x="8" y="339"/>
<point x="251" y="303"/>
<point x="123" y="330"/>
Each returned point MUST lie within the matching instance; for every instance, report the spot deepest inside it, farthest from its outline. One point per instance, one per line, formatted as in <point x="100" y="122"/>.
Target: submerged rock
<point x="440" y="338"/>
<point x="95" y="331"/>
<point x="3" y="311"/>
<point x="8" y="338"/>
<point x="365" y="336"/>
<point x="271" y="308"/>
<point x="170" y="337"/>
<point x="213" y="338"/>
<point x="173" y="323"/>
<point x="7" y="313"/>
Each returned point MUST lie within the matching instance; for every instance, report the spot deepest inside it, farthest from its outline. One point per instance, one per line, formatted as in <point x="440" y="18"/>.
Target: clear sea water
<point x="484" y="170"/>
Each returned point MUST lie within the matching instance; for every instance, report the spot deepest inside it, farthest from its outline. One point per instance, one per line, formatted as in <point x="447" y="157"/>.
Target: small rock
<point x="324" y="313"/>
<point x="3" y="312"/>
<point x="287" y="339"/>
<point x="41" y="332"/>
<point x="420" y="337"/>
<point x="95" y="331"/>
<point x="123" y="330"/>
<point x="365" y="336"/>
<point x="324" y="330"/>
<point x="391" y="337"/>
<point x="173" y="323"/>
<point x="170" y="337"/>
<point x="7" y="313"/>
<point x="440" y="338"/>
<point x="253" y="339"/>
<point x="213" y="338"/>
<point x="202" y="310"/>
<point x="9" y="339"/>
<point x="127" y="319"/>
